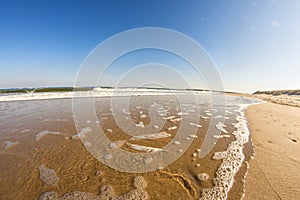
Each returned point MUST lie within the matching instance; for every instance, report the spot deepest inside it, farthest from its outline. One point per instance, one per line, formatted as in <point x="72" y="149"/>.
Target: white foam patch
<point x="228" y="112"/>
<point x="218" y="117"/>
<point x="162" y="113"/>
<point x="221" y="136"/>
<point x="82" y="132"/>
<point x="140" y="125"/>
<point x="25" y="131"/>
<point x="109" y="130"/>
<point x="203" y="177"/>
<point x="220" y="126"/>
<point x="87" y="144"/>
<point x="196" y="125"/>
<point x="47" y="175"/>
<point x="204" y="117"/>
<point x="176" y="120"/>
<point x="9" y="144"/>
<point x="106" y="193"/>
<point x="177" y="142"/>
<point x="169" y="118"/>
<point x="151" y="136"/>
<point x="125" y="112"/>
<point x="219" y="155"/>
<point x="190" y="111"/>
<point x="117" y="144"/>
<point x="172" y="128"/>
<point x="143" y="116"/>
<point x="143" y="148"/>
<point x="182" y="113"/>
<point x="97" y="92"/>
<point x="232" y="160"/>
<point x="46" y="132"/>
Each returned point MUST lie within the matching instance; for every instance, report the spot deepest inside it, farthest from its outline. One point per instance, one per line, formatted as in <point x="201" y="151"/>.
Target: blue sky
<point x="255" y="44"/>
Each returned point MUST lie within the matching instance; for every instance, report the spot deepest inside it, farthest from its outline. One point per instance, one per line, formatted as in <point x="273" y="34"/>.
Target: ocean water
<point x="124" y="144"/>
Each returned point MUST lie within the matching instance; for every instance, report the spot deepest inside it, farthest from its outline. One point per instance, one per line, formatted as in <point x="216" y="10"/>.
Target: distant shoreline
<point x="89" y="88"/>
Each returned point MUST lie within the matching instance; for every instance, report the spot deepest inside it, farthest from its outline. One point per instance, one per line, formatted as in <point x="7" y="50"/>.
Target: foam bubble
<point x="143" y="116"/>
<point x="203" y="177"/>
<point x="176" y="120"/>
<point x="140" y="124"/>
<point x="109" y="130"/>
<point x="139" y="182"/>
<point x="219" y="155"/>
<point x="108" y="156"/>
<point x="221" y="136"/>
<point x="46" y="132"/>
<point x="25" y="131"/>
<point x="169" y="118"/>
<point x="176" y="142"/>
<point x="106" y="193"/>
<point x="143" y="148"/>
<point x="172" y="128"/>
<point x="196" y="125"/>
<point x="151" y="136"/>
<point x="47" y="175"/>
<point x="117" y="144"/>
<point x="204" y="117"/>
<point x="182" y="113"/>
<point x="87" y="144"/>
<point x="220" y="126"/>
<point x="232" y="160"/>
<point x="218" y="117"/>
<point x="82" y="133"/>
<point x="9" y="144"/>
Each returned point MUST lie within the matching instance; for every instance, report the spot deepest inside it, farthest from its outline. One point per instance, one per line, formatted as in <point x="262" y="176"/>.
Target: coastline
<point x="275" y="133"/>
<point x="35" y="135"/>
<point x="272" y="174"/>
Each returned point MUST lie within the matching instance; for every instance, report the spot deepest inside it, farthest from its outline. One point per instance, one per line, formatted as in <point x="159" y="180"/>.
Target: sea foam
<point x="232" y="160"/>
<point x="46" y="132"/>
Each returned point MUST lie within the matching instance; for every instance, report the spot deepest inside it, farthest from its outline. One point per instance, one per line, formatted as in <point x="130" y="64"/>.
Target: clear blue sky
<point x="255" y="44"/>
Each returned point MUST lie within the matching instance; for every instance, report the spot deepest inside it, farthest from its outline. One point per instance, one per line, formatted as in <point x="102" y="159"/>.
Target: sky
<point x="255" y="45"/>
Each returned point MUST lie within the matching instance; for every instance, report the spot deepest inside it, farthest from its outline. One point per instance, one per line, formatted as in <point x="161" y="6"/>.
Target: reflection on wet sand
<point x="49" y="161"/>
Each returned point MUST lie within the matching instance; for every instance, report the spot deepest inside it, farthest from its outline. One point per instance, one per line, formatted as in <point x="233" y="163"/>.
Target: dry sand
<point x="275" y="171"/>
<point x="283" y="99"/>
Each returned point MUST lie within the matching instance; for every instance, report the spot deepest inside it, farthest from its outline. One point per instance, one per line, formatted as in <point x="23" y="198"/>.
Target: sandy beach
<point x="274" y="172"/>
<point x="47" y="160"/>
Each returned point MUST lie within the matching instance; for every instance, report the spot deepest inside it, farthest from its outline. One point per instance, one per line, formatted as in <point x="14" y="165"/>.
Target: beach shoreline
<point x="35" y="134"/>
<point x="272" y="174"/>
<point x="274" y="171"/>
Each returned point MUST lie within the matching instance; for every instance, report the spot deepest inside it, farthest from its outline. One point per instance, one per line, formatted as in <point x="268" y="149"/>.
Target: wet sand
<point x="72" y="168"/>
<point x="275" y="171"/>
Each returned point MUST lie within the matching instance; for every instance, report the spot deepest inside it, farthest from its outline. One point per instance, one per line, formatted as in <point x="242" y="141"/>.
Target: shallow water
<point x="184" y="131"/>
